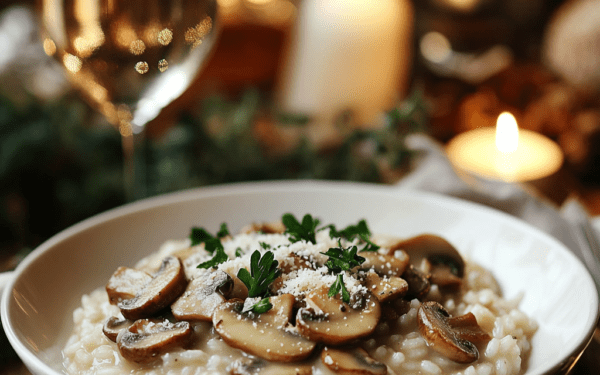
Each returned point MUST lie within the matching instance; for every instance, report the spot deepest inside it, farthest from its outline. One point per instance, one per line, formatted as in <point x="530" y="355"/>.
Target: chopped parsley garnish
<point x="238" y="252"/>
<point x="199" y="235"/>
<point x="300" y="231"/>
<point x="223" y="231"/>
<point x="218" y="258"/>
<point x="212" y="244"/>
<point x="263" y="271"/>
<point x="337" y="287"/>
<point x="264" y="245"/>
<point x="371" y="246"/>
<point x="360" y="230"/>
<point x="341" y="259"/>
<point x="262" y="306"/>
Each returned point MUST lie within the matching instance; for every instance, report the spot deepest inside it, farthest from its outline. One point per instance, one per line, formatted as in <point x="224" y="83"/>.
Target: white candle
<point x="347" y="54"/>
<point x="505" y="152"/>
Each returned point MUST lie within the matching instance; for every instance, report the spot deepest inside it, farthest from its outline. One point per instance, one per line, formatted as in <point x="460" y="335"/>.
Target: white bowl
<point x="558" y="292"/>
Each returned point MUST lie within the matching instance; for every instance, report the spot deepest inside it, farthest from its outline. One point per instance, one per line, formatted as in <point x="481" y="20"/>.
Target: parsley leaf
<point x="337" y="287"/>
<point x="360" y="230"/>
<point x="218" y="258"/>
<point x="263" y="271"/>
<point x="238" y="252"/>
<point x="199" y="235"/>
<point x="223" y="231"/>
<point x="300" y="231"/>
<point x="343" y="259"/>
<point x="262" y="306"/>
<point x="211" y="243"/>
<point x="371" y="246"/>
<point x="351" y="231"/>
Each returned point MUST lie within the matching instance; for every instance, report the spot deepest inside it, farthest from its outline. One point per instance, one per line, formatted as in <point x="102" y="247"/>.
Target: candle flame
<point x="507" y="133"/>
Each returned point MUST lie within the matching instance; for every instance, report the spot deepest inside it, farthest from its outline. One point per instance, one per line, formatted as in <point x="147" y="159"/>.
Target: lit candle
<point x="347" y="54"/>
<point x="506" y="152"/>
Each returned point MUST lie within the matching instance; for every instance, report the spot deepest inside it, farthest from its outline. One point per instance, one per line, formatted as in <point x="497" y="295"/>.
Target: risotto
<point x="294" y="297"/>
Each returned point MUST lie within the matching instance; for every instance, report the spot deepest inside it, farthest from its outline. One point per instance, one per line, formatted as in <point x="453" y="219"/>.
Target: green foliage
<point x="300" y="231"/>
<point x="218" y="258"/>
<point x="211" y="243"/>
<point x="360" y="230"/>
<point x="262" y="306"/>
<point x="60" y="159"/>
<point x="263" y="271"/>
<point x="339" y="287"/>
<point x="341" y="259"/>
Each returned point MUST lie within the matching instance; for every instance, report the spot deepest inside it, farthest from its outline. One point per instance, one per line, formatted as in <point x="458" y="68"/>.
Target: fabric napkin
<point x="569" y="223"/>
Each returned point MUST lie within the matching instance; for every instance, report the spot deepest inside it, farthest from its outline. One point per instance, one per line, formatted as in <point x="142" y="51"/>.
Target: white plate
<point x="558" y="291"/>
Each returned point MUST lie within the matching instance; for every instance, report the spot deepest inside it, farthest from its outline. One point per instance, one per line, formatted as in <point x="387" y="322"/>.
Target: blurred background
<point x="298" y="89"/>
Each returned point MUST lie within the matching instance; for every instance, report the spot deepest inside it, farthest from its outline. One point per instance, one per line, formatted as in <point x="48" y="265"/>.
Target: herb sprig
<point x="263" y="271"/>
<point x="342" y="259"/>
<point x="212" y="244"/>
<point x="360" y="230"/>
<point x="301" y="231"/>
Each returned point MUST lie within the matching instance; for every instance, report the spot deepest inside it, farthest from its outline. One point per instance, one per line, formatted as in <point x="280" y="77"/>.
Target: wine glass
<point x="130" y="59"/>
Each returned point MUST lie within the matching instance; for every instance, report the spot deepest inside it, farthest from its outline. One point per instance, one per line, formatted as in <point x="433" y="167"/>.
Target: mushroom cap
<point x="263" y="335"/>
<point x="202" y="297"/>
<point x="384" y="264"/>
<point x="433" y="248"/>
<point x="386" y="288"/>
<point x="442" y="275"/>
<point x="272" y="227"/>
<point x="125" y="283"/>
<point x="418" y="283"/>
<point x="145" y="340"/>
<point x="164" y="288"/>
<point x="334" y="322"/>
<point x="447" y="337"/>
<point x="354" y="361"/>
<point x="113" y="326"/>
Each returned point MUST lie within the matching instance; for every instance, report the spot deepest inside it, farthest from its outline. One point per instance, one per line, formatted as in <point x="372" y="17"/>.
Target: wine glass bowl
<point x="129" y="58"/>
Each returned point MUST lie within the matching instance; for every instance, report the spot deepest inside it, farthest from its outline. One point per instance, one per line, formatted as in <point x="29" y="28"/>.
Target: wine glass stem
<point x="134" y="166"/>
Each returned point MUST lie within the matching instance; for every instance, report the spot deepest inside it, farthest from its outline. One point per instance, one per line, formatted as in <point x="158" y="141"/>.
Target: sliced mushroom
<point x="125" y="283"/>
<point x="384" y="264"/>
<point x="263" y="335"/>
<point x="354" y="361"/>
<point x="386" y="288"/>
<point x="334" y="322"/>
<point x="240" y="290"/>
<point x="164" y="288"/>
<point x="202" y="297"/>
<point x="433" y="248"/>
<point x="113" y="326"/>
<point x="272" y="227"/>
<point x="145" y="340"/>
<point x="442" y="275"/>
<point x="448" y="336"/>
<point x="467" y="328"/>
<point x="257" y="366"/>
<point x="418" y="283"/>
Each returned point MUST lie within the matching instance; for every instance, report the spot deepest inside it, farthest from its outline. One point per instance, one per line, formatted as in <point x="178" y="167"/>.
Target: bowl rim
<point x="37" y="366"/>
